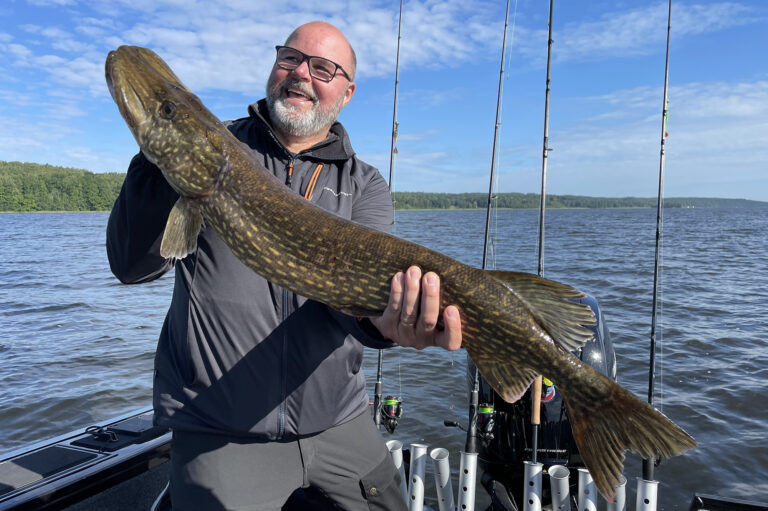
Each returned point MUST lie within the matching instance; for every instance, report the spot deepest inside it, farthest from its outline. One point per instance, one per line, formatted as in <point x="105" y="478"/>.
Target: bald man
<point x="261" y="387"/>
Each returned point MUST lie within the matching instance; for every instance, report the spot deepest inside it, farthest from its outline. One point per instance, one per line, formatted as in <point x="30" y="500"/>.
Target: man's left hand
<point x="410" y="318"/>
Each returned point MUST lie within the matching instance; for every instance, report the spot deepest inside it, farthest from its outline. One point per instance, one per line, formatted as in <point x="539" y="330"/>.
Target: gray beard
<point x="288" y="120"/>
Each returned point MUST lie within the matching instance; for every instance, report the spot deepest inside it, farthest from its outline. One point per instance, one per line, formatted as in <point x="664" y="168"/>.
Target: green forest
<point x="426" y="200"/>
<point x="29" y="187"/>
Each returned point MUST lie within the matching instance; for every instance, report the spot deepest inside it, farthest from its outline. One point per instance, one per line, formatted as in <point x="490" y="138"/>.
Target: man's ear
<point x="348" y="93"/>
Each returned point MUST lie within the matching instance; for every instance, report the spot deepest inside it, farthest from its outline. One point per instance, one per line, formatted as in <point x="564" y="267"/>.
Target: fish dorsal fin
<point x="181" y="230"/>
<point x="552" y="305"/>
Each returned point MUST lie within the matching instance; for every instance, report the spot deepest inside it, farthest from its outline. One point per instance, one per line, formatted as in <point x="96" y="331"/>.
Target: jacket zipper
<point x="286" y="302"/>
<point x="284" y="361"/>
<point x="283" y="318"/>
<point x="289" y="173"/>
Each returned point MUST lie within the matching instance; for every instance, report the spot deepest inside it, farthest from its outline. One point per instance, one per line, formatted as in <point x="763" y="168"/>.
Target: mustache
<point x="300" y="86"/>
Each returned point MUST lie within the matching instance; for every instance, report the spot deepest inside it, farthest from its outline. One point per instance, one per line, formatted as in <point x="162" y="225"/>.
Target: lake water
<point x="76" y="346"/>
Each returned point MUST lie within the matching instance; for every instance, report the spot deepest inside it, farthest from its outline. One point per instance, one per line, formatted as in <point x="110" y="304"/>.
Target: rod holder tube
<point x="416" y="481"/>
<point x="647" y="494"/>
<point x="587" y="492"/>
<point x="442" y="469"/>
<point x="620" y="499"/>
<point x="561" y="492"/>
<point x="396" y="451"/>
<point x="467" y="481"/>
<point x="532" y="486"/>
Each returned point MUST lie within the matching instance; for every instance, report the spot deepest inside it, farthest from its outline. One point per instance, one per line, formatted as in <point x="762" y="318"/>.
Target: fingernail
<point x="432" y="280"/>
<point x="413" y="273"/>
<point x="450" y="313"/>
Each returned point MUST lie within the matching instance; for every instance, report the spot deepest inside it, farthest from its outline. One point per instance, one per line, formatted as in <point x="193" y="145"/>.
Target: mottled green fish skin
<point x="349" y="267"/>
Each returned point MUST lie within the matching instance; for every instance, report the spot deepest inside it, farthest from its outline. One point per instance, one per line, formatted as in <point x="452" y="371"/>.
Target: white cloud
<point x="21" y="139"/>
<point x="30" y="28"/>
<point x="20" y="52"/>
<point x="64" y="111"/>
<point x="229" y="46"/>
<point x="717" y="146"/>
<point x="196" y="38"/>
<point x="637" y="31"/>
<point x="14" y="97"/>
<point x="56" y="142"/>
<point x="717" y="126"/>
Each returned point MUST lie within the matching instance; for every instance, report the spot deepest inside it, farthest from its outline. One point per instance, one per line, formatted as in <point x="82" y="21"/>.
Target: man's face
<point x="304" y="106"/>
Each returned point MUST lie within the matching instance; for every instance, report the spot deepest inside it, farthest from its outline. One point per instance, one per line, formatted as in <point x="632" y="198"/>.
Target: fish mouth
<point x="118" y="66"/>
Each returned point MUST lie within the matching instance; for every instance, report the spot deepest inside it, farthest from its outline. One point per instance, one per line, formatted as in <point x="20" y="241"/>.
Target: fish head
<point x="171" y="125"/>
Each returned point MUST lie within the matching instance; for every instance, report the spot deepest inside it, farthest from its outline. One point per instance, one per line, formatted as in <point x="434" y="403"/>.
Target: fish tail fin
<point x="606" y="425"/>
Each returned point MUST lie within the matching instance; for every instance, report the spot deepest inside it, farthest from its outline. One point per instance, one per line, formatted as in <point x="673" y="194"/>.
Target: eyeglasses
<point x="319" y="67"/>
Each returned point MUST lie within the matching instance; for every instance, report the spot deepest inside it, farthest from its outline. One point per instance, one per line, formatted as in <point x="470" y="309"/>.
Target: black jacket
<point x="237" y="354"/>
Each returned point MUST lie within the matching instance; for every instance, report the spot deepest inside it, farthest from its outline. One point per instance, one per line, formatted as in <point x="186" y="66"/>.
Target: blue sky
<point x="607" y="81"/>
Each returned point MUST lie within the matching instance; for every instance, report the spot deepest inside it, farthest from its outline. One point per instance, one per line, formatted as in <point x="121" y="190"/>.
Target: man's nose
<point x="302" y="70"/>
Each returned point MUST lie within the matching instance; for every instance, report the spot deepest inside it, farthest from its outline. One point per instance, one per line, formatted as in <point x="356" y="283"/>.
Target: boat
<point x="119" y="464"/>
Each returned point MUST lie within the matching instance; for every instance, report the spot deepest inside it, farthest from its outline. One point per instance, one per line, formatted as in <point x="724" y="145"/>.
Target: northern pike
<point x="514" y="325"/>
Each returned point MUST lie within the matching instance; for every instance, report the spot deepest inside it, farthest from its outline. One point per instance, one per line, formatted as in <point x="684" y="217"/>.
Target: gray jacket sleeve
<point x="136" y="224"/>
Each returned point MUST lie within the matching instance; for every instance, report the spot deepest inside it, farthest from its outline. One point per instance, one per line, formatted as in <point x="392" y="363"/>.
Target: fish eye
<point x="167" y="110"/>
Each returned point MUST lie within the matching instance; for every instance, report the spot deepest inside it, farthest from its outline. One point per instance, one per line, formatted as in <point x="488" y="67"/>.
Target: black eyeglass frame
<point x="308" y="58"/>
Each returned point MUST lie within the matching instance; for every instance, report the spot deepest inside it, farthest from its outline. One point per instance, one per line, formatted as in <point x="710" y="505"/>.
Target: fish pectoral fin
<point x="551" y="303"/>
<point x="181" y="230"/>
<point x="509" y="381"/>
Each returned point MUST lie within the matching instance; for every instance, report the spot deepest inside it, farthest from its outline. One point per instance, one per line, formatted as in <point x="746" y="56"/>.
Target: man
<point x="262" y="388"/>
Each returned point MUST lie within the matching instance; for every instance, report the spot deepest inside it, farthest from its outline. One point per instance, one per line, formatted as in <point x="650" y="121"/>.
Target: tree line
<point x="27" y="187"/>
<point x="425" y="200"/>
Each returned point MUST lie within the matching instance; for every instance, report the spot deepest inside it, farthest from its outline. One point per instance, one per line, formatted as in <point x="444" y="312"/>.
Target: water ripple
<point x="77" y="347"/>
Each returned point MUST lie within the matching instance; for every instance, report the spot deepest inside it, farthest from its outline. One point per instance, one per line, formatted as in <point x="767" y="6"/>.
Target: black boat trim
<point x="81" y="466"/>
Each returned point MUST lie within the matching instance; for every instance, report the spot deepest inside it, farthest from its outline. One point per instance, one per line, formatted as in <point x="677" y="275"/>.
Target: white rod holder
<point x="532" y="486"/>
<point x="416" y="481"/>
<point x="587" y="492"/>
<point x="647" y="494"/>
<point x="467" y="478"/>
<point x="561" y="492"/>
<point x="442" y="469"/>
<point x="396" y="451"/>
<point x="620" y="499"/>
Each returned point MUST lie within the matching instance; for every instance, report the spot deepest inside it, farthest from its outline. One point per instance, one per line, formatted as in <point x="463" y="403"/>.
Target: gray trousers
<point x="350" y="464"/>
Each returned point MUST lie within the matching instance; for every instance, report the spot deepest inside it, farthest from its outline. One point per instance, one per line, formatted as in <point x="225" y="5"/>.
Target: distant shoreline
<point x="32" y="187"/>
<point x="760" y="205"/>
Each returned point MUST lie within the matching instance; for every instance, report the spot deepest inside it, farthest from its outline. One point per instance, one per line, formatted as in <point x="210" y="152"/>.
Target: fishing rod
<point x="648" y="464"/>
<point x="533" y="469"/>
<point x="394" y="409"/>
<point x="536" y="401"/>
<point x="468" y="464"/>
<point x="471" y="443"/>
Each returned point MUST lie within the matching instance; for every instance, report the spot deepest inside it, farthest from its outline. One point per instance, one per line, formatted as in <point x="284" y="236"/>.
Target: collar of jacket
<point x="336" y="145"/>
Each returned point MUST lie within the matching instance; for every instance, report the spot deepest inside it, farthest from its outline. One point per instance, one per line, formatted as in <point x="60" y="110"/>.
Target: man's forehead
<point x="321" y="40"/>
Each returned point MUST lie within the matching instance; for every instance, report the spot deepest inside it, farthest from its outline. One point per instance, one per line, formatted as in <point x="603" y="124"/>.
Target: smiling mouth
<point x="292" y="91"/>
<point x="294" y="94"/>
